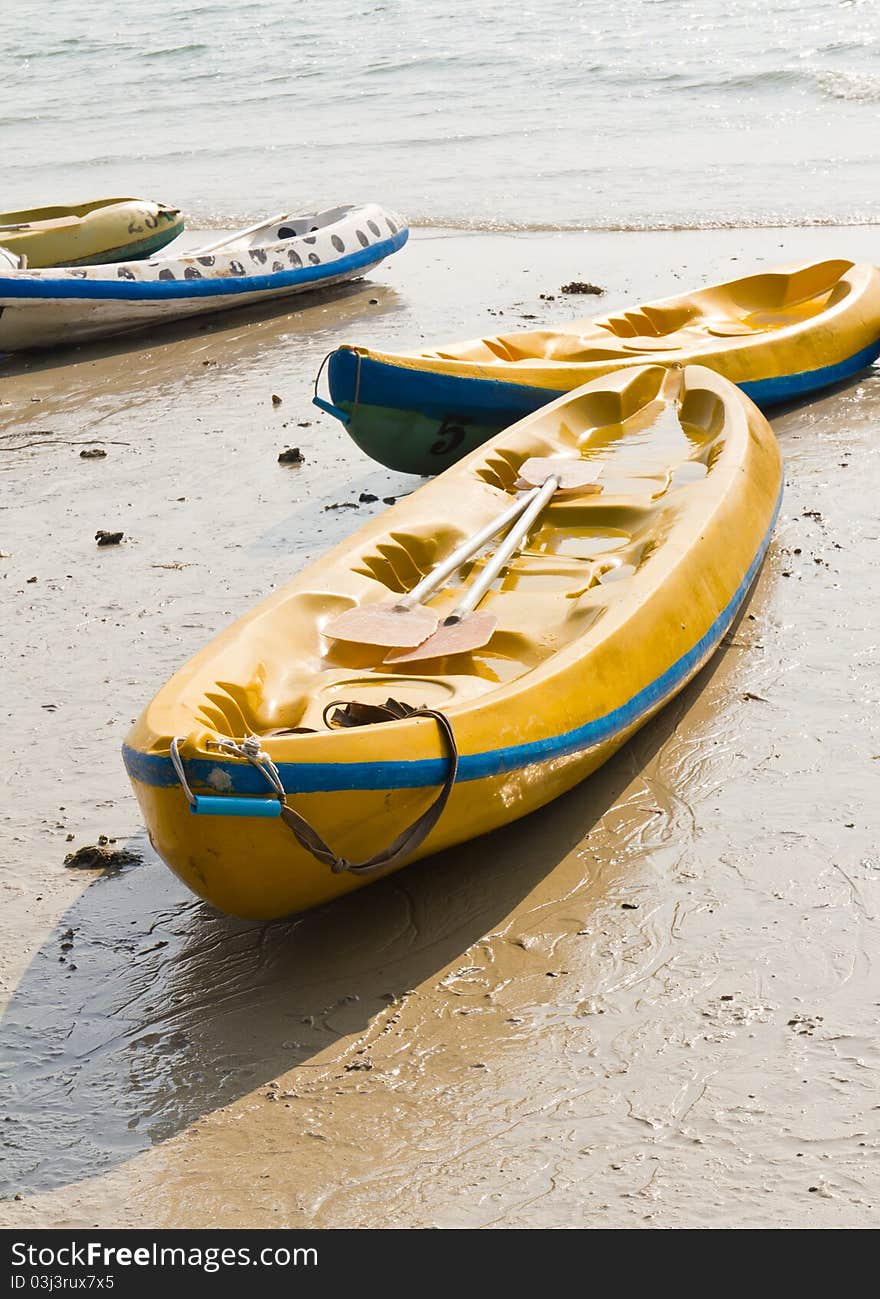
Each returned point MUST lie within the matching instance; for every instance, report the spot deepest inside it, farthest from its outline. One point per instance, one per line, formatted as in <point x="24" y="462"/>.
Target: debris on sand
<point x="92" y="453"/>
<point x="367" y="498"/>
<point x="105" y="538"/>
<point x="342" y="505"/>
<point x="276" y="400"/>
<point x="292" y="456"/>
<point x="581" y="286"/>
<point x="389" y="500"/>
<point x="93" y="856"/>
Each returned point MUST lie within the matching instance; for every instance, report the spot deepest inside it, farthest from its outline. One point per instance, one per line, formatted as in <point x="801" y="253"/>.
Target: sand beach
<point x="650" y="1005"/>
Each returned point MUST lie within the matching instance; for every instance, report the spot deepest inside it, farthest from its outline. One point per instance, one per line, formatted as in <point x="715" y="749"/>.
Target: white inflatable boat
<point x="284" y="255"/>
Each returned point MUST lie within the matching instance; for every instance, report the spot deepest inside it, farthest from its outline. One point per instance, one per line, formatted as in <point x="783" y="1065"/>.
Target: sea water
<point x="642" y="113"/>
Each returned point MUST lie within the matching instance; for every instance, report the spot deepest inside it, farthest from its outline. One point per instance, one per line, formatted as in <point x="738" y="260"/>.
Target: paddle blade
<point x="383" y="624"/>
<point x="471" y="632"/>
<point x="571" y="474"/>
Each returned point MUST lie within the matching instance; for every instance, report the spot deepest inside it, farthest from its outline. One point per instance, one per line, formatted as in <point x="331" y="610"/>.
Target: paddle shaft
<point x="464" y="552"/>
<point x="237" y="234"/>
<point x="540" y="497"/>
<point x="44" y="224"/>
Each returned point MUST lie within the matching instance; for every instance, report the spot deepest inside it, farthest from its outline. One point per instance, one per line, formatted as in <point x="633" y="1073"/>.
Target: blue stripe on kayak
<point x="156" y="769"/>
<point x="429" y="392"/>
<point x="786" y="387"/>
<point x="14" y="287"/>
<point x="433" y="393"/>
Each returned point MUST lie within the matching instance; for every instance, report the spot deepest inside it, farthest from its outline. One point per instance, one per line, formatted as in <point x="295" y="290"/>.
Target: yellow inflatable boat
<point x="295" y="758"/>
<point x="86" y="234"/>
<point x="779" y="335"/>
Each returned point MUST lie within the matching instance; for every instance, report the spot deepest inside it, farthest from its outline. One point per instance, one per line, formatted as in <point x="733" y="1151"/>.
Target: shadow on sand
<point x="146" y="1010"/>
<point x="264" y="323"/>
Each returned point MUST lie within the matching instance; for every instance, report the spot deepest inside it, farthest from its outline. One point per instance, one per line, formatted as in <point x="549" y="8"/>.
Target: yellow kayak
<point x="106" y="230"/>
<point x="266" y="771"/>
<point x="780" y="335"/>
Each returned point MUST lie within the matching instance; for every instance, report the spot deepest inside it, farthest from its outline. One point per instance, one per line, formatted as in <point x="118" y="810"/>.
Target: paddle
<point x="463" y="630"/>
<point x="238" y="234"/>
<point x="407" y="622"/>
<point x="54" y="223"/>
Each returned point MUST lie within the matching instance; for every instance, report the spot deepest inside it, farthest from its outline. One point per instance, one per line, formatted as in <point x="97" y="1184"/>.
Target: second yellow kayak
<point x="780" y="334"/>
<point x="85" y="234"/>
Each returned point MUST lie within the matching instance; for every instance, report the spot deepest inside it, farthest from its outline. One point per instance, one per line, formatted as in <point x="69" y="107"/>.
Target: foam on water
<point x="654" y="114"/>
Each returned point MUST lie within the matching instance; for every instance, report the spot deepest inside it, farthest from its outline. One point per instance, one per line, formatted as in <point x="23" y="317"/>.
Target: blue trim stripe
<point x="431" y="393"/>
<point x="156" y="769"/>
<point x="786" y="387"/>
<point x="132" y="290"/>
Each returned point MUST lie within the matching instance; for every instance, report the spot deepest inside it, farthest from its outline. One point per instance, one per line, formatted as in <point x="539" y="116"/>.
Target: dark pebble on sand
<point x="104" y="538"/>
<point x="92" y="453"/>
<point x="629" y="906"/>
<point x="367" y="498"/>
<point x="292" y="456"/>
<point x="276" y="400"/>
<point x="389" y="500"/>
<point x="96" y="857"/>
<point x="581" y="286"/>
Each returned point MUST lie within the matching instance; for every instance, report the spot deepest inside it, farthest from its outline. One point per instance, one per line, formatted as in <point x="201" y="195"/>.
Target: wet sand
<point x="652" y="1004"/>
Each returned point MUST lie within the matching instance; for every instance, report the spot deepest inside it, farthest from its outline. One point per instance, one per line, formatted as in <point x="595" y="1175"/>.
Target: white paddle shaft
<point x="463" y="552"/>
<point x="237" y="234"/>
<point x="477" y="589"/>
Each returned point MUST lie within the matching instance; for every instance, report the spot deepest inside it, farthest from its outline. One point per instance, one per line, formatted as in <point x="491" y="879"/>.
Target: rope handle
<point x="350" y="714"/>
<point x="328" y="406"/>
<point x="409" y="839"/>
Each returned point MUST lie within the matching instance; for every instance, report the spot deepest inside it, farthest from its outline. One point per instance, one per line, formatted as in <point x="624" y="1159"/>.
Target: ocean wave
<point x="647" y="226"/>
<point x="171" y="50"/>
<point x="212" y="220"/>
<point x="860" y="87"/>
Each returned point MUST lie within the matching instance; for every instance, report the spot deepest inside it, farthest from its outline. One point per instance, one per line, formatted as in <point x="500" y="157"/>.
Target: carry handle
<point x="322" y="403"/>
<point x="219" y="804"/>
<point x="227" y="805"/>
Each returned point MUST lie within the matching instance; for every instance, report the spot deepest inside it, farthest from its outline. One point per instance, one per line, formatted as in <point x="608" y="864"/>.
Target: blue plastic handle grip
<point x="208" y="805"/>
<point x="331" y="409"/>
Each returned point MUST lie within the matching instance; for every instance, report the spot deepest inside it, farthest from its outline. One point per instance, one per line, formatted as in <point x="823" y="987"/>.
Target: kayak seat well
<point x="401" y="561"/>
